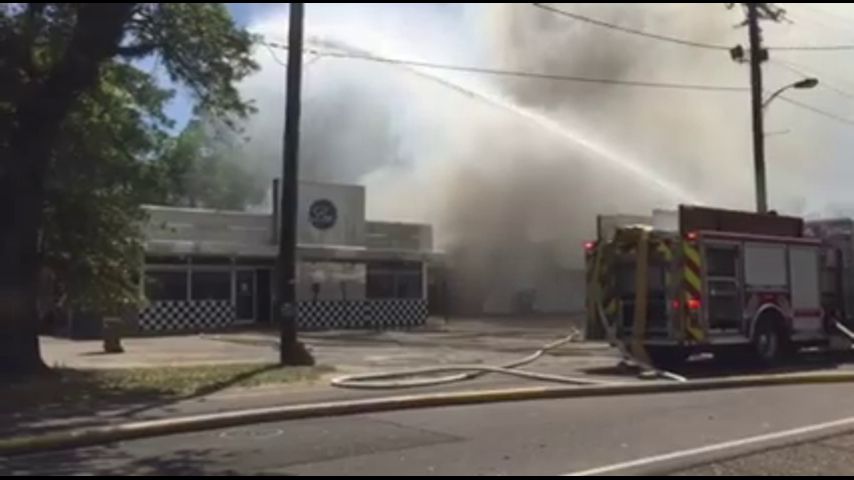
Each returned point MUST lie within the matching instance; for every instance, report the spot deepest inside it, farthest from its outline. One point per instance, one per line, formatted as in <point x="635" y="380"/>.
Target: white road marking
<point x="617" y="467"/>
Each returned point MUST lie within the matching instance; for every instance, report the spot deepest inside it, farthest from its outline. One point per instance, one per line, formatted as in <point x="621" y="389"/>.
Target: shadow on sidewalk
<point x="201" y="392"/>
<point x="64" y="398"/>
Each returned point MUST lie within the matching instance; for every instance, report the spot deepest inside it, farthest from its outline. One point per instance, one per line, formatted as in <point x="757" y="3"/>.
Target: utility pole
<point x="756" y="56"/>
<point x="756" y="12"/>
<point x="291" y="351"/>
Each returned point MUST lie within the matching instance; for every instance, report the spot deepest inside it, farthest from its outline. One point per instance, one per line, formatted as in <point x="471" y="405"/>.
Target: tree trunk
<point x="19" y="224"/>
<point x="39" y="115"/>
<point x="19" y="343"/>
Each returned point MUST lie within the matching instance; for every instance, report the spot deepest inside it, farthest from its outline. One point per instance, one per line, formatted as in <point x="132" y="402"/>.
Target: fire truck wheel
<point x="667" y="357"/>
<point x="769" y="343"/>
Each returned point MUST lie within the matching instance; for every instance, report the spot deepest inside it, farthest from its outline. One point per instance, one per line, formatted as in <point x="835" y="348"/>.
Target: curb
<point x="85" y="437"/>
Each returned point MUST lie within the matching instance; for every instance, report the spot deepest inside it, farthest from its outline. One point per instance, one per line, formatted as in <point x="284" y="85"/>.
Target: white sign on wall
<point x="331" y="214"/>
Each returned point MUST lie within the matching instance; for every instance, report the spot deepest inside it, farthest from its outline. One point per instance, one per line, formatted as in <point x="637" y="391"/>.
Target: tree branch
<point x="137" y="51"/>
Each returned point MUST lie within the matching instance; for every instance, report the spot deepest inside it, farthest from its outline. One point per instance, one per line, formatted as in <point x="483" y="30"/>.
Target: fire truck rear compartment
<point x="724" y="285"/>
<point x="657" y="305"/>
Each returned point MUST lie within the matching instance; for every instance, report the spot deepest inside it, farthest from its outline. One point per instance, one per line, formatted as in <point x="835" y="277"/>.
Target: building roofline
<point x="169" y="208"/>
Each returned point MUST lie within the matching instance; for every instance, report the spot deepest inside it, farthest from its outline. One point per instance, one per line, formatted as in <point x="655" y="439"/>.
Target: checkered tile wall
<point x="368" y="314"/>
<point x="182" y="315"/>
<point x="200" y="315"/>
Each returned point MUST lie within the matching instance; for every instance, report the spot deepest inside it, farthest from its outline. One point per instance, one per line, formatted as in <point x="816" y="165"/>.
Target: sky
<point x="317" y="16"/>
<point x="512" y="172"/>
<point x="181" y="107"/>
<point x="466" y="35"/>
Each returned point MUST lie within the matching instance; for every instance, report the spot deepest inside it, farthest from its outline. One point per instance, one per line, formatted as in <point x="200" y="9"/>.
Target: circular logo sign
<point x="322" y="214"/>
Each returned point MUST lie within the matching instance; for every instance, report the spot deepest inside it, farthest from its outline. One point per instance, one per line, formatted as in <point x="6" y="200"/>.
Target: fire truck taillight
<point x="693" y="304"/>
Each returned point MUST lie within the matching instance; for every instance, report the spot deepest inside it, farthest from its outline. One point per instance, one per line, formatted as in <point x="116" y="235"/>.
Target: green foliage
<point x="98" y="178"/>
<point x="204" y="167"/>
<point x="200" y="46"/>
<point x="103" y="120"/>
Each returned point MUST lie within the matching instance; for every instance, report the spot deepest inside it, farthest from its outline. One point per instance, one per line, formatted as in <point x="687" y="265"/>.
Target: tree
<point x="204" y="167"/>
<point x="99" y="174"/>
<point x="54" y="56"/>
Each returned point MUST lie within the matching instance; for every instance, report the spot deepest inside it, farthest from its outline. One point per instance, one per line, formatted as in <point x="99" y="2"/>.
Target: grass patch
<point x="79" y="391"/>
<point x="198" y="380"/>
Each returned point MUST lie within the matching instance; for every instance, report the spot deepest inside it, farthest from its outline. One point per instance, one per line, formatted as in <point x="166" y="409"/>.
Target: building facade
<point x="210" y="270"/>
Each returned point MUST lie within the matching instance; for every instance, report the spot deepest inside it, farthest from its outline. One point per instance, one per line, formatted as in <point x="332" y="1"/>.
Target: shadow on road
<point x="712" y="367"/>
<point x="109" y="460"/>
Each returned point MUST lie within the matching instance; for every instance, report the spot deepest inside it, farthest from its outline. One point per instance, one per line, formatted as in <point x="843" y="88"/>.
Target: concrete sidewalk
<point x="474" y="341"/>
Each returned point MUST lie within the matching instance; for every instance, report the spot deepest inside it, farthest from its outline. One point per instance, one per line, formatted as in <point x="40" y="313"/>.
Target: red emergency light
<point x="692" y="236"/>
<point x="693" y="304"/>
<point x="589" y="246"/>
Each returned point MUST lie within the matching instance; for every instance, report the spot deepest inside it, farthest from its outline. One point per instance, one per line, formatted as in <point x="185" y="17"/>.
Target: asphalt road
<point x="825" y="456"/>
<point x="524" y="438"/>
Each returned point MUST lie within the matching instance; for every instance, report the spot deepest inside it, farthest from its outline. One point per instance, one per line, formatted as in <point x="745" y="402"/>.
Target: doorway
<point x="264" y="295"/>
<point x="245" y="296"/>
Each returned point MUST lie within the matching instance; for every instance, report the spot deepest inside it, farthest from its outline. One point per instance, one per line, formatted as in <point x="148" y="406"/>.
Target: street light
<point x="804" y="84"/>
<point x="759" y="138"/>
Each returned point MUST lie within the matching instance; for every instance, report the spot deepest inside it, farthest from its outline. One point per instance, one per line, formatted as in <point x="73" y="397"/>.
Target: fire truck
<point x="711" y="280"/>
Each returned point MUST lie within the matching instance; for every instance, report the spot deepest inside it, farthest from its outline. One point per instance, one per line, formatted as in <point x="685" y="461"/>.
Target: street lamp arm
<point x="775" y="95"/>
<point x="806" y="83"/>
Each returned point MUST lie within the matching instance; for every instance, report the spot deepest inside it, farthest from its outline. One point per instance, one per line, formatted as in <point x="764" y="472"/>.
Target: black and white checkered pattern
<point x="182" y="315"/>
<point x="201" y="315"/>
<point x="395" y="313"/>
<point x="350" y="314"/>
<point x="330" y="314"/>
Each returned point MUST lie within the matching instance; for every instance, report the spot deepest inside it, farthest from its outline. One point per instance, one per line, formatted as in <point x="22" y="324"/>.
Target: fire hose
<point x="636" y="355"/>
<point x="409" y="378"/>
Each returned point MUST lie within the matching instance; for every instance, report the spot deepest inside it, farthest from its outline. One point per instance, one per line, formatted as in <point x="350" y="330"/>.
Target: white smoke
<point x="511" y="198"/>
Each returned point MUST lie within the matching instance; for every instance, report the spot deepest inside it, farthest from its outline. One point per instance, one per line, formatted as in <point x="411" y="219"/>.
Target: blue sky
<point x="180" y="108"/>
<point x="245" y="14"/>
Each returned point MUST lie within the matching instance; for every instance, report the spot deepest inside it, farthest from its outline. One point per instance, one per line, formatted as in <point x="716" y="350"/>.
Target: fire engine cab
<point x="703" y="279"/>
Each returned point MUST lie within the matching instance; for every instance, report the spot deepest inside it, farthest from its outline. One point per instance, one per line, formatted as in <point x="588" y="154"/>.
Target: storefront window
<point x="408" y="285"/>
<point x="395" y="280"/>
<point x="211" y="285"/>
<point x="380" y="284"/>
<point x="166" y="285"/>
<point x="331" y="281"/>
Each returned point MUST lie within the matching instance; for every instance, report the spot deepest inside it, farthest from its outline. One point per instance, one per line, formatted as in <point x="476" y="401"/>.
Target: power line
<point x="632" y="31"/>
<point x="682" y="41"/>
<point x="816" y="110"/>
<point x="280" y="61"/>
<point x="273" y="54"/>
<point x="812" y="48"/>
<point x="796" y="69"/>
<point x="520" y="74"/>
<point x="543" y="76"/>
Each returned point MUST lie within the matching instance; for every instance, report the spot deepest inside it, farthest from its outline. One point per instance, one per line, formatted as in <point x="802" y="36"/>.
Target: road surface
<point x="524" y="438"/>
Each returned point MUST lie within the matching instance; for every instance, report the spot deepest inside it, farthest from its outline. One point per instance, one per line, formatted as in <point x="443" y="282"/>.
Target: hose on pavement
<point x="409" y="378"/>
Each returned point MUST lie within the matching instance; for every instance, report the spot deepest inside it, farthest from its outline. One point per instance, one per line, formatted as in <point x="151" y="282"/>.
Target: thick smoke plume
<point x="511" y="198"/>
